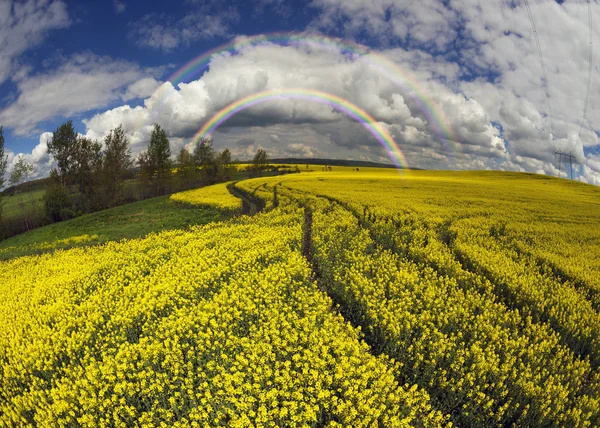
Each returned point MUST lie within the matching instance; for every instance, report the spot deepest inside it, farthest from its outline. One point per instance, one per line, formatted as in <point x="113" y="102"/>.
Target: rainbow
<point x="355" y="112"/>
<point x="409" y="84"/>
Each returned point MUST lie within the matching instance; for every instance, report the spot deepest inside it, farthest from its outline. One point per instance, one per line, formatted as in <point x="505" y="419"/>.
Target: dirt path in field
<point x="250" y="204"/>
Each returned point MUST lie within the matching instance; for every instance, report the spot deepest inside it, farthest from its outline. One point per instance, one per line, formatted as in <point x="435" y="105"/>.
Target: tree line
<point x="89" y="176"/>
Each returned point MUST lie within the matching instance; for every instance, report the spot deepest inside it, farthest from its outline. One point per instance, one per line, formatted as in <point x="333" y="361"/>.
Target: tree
<point x="204" y="154"/>
<point x="155" y="163"/>
<point x="79" y="162"/>
<point x="3" y="164"/>
<point x="116" y="162"/>
<point x="186" y="168"/>
<point x="225" y="158"/>
<point x="63" y="148"/>
<point x="260" y="161"/>
<point x="146" y="171"/>
<point x="19" y="175"/>
<point x="204" y="157"/>
<point x="159" y="151"/>
<point x="224" y="161"/>
<point x="21" y="172"/>
<point x="3" y="158"/>
<point x="87" y="166"/>
<point x="208" y="161"/>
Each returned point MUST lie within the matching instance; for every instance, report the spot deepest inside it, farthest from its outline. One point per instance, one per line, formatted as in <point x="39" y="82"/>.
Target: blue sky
<point x="105" y="28"/>
<point x="470" y="68"/>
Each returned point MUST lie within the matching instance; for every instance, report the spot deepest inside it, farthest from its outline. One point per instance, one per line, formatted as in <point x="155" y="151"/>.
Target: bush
<point x="58" y="204"/>
<point x="28" y="219"/>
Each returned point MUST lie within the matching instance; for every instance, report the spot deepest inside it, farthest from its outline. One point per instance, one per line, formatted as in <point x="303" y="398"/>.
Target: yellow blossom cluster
<point x="446" y="273"/>
<point x="356" y="298"/>
<point x="216" y="196"/>
<point x="220" y="325"/>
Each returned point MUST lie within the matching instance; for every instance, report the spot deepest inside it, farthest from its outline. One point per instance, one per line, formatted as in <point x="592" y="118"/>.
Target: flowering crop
<point x="446" y="274"/>
<point x="219" y="325"/>
<point x="216" y="195"/>
<point x="470" y="298"/>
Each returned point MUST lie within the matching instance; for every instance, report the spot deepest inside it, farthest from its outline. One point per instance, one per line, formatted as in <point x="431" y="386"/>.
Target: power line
<point x="590" y="61"/>
<point x="541" y="57"/>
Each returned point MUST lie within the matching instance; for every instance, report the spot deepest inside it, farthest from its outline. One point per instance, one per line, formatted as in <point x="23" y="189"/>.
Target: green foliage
<point x="225" y="158"/>
<point x="127" y="221"/>
<point x="206" y="159"/>
<point x="260" y="161"/>
<point x="79" y="163"/>
<point x="63" y="148"/>
<point x="214" y="166"/>
<point x="12" y="203"/>
<point x="160" y="152"/>
<point x="184" y="158"/>
<point x="116" y="162"/>
<point x="155" y="163"/>
<point x="204" y="153"/>
<point x="186" y="169"/>
<point x="57" y="203"/>
<point x="21" y="172"/>
<point x="88" y="164"/>
<point x="3" y="162"/>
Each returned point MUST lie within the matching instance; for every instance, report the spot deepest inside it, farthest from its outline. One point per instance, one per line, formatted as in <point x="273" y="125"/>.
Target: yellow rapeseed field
<point x="212" y="196"/>
<point x="355" y="298"/>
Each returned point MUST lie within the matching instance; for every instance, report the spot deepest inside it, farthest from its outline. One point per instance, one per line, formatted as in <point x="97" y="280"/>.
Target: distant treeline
<point x="331" y="162"/>
<point x="90" y="176"/>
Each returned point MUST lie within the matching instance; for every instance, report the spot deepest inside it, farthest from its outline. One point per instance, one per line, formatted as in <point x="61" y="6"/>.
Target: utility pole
<point x="568" y="156"/>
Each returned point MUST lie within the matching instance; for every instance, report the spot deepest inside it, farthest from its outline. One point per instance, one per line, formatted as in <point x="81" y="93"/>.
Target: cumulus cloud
<point x="38" y="157"/>
<point x="492" y="46"/>
<point x="245" y="142"/>
<point x="465" y="89"/>
<point x="300" y="149"/>
<point x="81" y="83"/>
<point x="429" y="22"/>
<point x="182" y="110"/>
<point x="23" y="25"/>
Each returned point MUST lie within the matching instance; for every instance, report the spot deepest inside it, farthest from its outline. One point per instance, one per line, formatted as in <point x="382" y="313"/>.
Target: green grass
<point x="12" y="204"/>
<point x="124" y="222"/>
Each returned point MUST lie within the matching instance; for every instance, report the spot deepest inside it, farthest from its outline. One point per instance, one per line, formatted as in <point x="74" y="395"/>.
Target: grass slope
<point x="12" y="204"/>
<point x="124" y="222"/>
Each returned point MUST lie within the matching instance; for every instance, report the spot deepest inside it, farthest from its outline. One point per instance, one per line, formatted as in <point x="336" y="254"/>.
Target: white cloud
<point x="38" y="157"/>
<point x="494" y="40"/>
<point x="476" y="62"/>
<point x="119" y="6"/>
<point x="425" y="22"/>
<point x="164" y="33"/>
<point x="82" y="83"/>
<point x="591" y="170"/>
<point x="279" y="7"/>
<point x="140" y="88"/>
<point x="300" y="149"/>
<point x="184" y="109"/>
<point x="23" y="25"/>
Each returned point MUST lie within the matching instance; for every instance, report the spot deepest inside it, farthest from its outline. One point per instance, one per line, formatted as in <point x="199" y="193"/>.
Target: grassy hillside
<point x="355" y="298"/>
<point x="12" y="204"/>
<point x="128" y="221"/>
